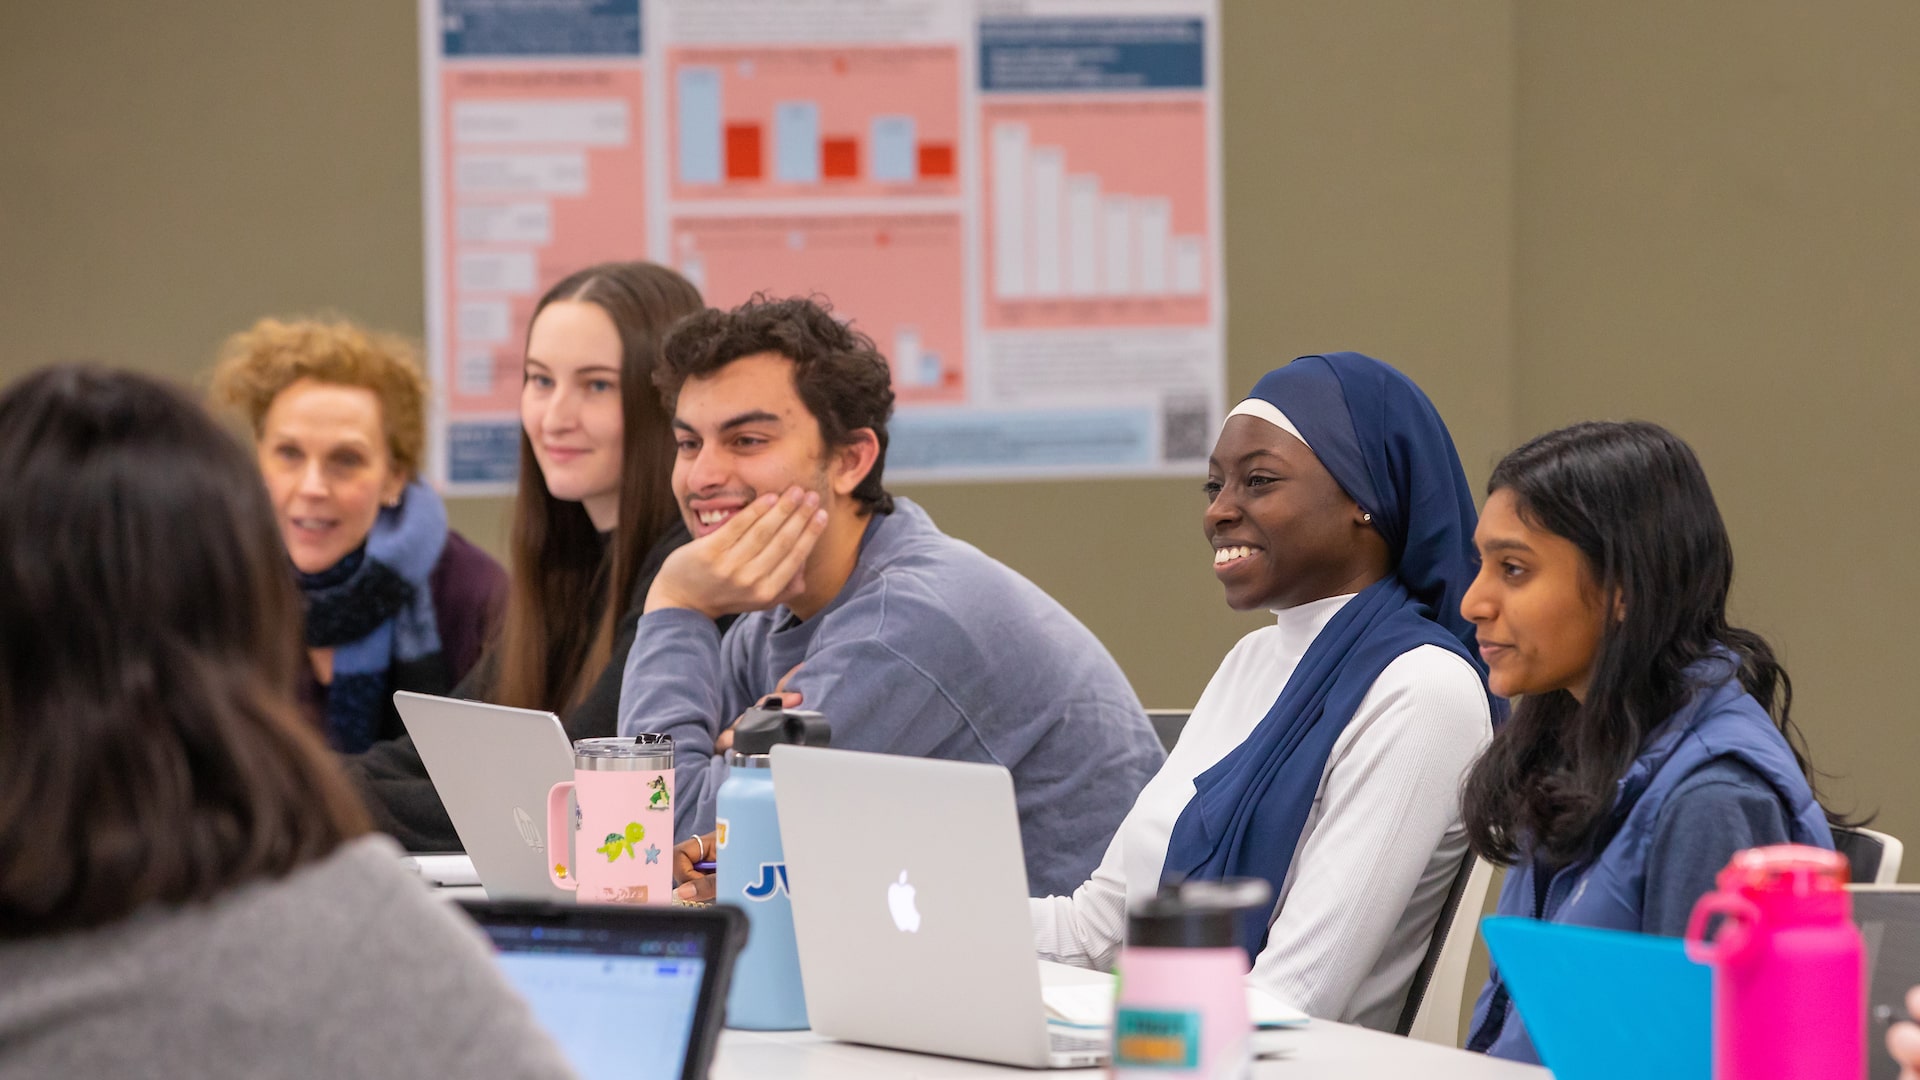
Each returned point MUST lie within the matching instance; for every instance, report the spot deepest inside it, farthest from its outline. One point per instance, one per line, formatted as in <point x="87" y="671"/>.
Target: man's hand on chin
<point x="750" y="563"/>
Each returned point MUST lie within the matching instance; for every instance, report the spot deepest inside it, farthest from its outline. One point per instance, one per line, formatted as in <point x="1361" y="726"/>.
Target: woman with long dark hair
<point x="187" y="887"/>
<point x="593" y="518"/>
<point x="1653" y="738"/>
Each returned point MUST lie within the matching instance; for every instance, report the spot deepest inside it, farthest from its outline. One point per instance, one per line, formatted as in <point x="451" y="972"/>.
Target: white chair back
<point x="1860" y="846"/>
<point x="1167" y="724"/>
<point x="1437" y="1019"/>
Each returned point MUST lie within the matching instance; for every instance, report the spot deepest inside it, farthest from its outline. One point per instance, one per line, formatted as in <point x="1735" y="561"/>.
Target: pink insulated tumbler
<point x="1180" y="1008"/>
<point x="622" y="830"/>
<point x="1789" y="992"/>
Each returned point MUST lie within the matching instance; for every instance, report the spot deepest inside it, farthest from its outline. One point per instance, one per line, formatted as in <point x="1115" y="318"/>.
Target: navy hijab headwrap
<point x="1386" y="446"/>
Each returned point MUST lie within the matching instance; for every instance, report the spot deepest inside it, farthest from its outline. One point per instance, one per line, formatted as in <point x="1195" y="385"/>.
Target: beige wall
<point x="1718" y="229"/>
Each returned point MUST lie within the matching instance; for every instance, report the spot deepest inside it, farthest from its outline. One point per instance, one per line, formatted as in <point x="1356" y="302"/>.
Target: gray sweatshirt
<point x="346" y="967"/>
<point x="931" y="649"/>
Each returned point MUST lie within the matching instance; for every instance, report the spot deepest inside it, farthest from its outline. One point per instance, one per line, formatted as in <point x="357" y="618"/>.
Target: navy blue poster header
<point x="483" y="452"/>
<point x="540" y="28"/>
<point x="1092" y="54"/>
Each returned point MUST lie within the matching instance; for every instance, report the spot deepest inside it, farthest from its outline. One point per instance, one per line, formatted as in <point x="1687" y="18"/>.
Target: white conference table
<point x="1322" y="1050"/>
<point x="1319" y="1051"/>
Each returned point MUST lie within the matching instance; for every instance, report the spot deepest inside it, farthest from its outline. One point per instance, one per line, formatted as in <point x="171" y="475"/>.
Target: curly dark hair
<point x="837" y="371"/>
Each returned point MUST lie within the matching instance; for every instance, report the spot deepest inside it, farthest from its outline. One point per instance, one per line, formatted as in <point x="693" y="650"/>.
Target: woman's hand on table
<point x="1903" y="1039"/>
<point x="692" y="884"/>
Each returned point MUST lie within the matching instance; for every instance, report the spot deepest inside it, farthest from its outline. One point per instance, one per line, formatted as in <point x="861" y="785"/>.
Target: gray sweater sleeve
<point x="687" y="682"/>
<point x="1721" y="809"/>
<point x="676" y="685"/>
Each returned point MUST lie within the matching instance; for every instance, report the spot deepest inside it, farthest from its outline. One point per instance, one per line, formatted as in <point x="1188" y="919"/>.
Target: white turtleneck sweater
<point x="1381" y="844"/>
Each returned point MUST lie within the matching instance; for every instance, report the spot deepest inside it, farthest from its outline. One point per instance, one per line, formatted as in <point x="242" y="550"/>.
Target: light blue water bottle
<point x="752" y="871"/>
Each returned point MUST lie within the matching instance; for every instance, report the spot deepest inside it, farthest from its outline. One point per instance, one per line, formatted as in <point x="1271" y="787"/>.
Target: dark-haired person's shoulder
<point x="1722" y="807"/>
<point x="920" y="560"/>
<point x="469" y="597"/>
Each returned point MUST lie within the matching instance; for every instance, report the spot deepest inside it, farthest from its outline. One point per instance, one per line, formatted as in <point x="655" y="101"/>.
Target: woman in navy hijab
<point x="1326" y="754"/>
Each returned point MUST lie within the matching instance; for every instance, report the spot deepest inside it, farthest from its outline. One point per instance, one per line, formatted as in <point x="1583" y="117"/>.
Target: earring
<point x="1366" y="518"/>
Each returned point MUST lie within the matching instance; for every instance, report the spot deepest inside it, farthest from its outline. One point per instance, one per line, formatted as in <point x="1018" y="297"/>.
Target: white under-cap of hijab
<point x="1268" y="411"/>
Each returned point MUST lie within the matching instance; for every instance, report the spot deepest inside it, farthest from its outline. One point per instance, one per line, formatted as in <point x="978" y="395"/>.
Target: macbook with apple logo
<point x="909" y="894"/>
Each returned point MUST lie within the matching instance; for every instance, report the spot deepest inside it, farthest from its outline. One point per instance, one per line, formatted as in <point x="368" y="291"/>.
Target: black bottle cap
<point x="1196" y="914"/>
<point x="759" y="730"/>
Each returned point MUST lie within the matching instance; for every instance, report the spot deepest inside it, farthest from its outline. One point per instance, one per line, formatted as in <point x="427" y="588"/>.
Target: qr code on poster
<point x="1185" y="429"/>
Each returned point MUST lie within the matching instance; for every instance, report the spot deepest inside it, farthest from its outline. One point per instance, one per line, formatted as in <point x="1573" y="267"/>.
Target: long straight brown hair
<point x="568" y="589"/>
<point x="151" y="746"/>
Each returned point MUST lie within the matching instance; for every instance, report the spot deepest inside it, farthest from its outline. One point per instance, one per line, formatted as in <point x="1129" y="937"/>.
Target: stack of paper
<point x="1090" y="1005"/>
<point x="445" y="870"/>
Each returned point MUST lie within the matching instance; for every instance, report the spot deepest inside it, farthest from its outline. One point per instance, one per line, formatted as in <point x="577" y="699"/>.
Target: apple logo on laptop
<point x="528" y="830"/>
<point x="900" y="905"/>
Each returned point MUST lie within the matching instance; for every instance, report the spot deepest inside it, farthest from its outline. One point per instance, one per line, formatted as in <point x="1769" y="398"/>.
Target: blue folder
<point x="1601" y="1004"/>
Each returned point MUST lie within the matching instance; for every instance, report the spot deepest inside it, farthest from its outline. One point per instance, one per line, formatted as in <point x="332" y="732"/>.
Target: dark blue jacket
<point x="1720" y="721"/>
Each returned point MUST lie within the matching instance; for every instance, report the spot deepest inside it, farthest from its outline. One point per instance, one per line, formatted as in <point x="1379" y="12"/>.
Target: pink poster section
<point x="898" y="278"/>
<point x="541" y="173"/>
<point x="1096" y="212"/>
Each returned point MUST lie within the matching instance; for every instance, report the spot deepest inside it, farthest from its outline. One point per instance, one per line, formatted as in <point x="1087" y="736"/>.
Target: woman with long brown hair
<point x="187" y="885"/>
<point x="593" y="518"/>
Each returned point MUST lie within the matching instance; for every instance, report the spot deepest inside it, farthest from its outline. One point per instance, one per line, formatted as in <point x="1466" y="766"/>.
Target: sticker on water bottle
<point x="772" y="881"/>
<point x="720" y="834"/>
<point x="1156" y="1039"/>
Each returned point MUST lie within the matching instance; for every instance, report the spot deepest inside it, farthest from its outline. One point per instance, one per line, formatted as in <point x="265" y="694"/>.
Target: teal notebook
<point x="1601" y="1004"/>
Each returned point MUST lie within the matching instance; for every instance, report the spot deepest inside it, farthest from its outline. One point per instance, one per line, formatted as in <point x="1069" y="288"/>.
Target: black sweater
<point x="393" y="781"/>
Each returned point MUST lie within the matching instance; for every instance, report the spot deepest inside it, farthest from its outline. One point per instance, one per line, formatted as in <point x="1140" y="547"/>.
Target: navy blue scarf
<point x="1386" y="446"/>
<point x="374" y="609"/>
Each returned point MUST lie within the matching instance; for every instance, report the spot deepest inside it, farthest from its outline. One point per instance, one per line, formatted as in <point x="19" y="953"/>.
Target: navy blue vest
<point x="1720" y="720"/>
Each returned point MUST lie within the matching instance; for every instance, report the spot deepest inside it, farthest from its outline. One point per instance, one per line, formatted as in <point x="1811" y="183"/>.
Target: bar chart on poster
<point x="1018" y="201"/>
<point x="896" y="278"/>
<point x="1096" y="202"/>
<point x="815" y="122"/>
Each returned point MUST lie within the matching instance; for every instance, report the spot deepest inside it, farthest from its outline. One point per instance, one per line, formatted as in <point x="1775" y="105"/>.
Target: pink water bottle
<point x="1180" y="1007"/>
<point x="1789" y="977"/>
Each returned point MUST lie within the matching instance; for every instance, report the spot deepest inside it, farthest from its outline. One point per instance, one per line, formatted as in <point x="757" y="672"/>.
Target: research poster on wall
<point x="1017" y="200"/>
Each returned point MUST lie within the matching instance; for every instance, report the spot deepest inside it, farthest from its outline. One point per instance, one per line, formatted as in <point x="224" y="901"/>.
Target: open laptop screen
<point x="1889" y="921"/>
<point x="625" y="993"/>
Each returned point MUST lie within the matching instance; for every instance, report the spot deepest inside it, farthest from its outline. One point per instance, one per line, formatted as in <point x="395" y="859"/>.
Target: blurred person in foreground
<point x="187" y="884"/>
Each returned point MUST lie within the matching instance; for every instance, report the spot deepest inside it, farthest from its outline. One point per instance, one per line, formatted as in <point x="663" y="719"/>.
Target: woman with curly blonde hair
<point x="395" y="600"/>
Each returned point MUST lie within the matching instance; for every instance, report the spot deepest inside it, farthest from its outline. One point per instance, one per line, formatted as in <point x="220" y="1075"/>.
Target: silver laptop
<point x="909" y="898"/>
<point x="493" y="767"/>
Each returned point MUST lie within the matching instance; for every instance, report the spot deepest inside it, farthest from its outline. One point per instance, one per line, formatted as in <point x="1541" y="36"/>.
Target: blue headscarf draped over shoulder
<point x="1386" y="446"/>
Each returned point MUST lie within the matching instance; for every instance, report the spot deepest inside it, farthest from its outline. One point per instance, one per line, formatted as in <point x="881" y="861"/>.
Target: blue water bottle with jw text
<point x="752" y="871"/>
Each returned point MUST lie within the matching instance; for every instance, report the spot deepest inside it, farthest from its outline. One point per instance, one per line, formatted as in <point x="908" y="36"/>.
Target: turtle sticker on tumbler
<point x="617" y="844"/>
